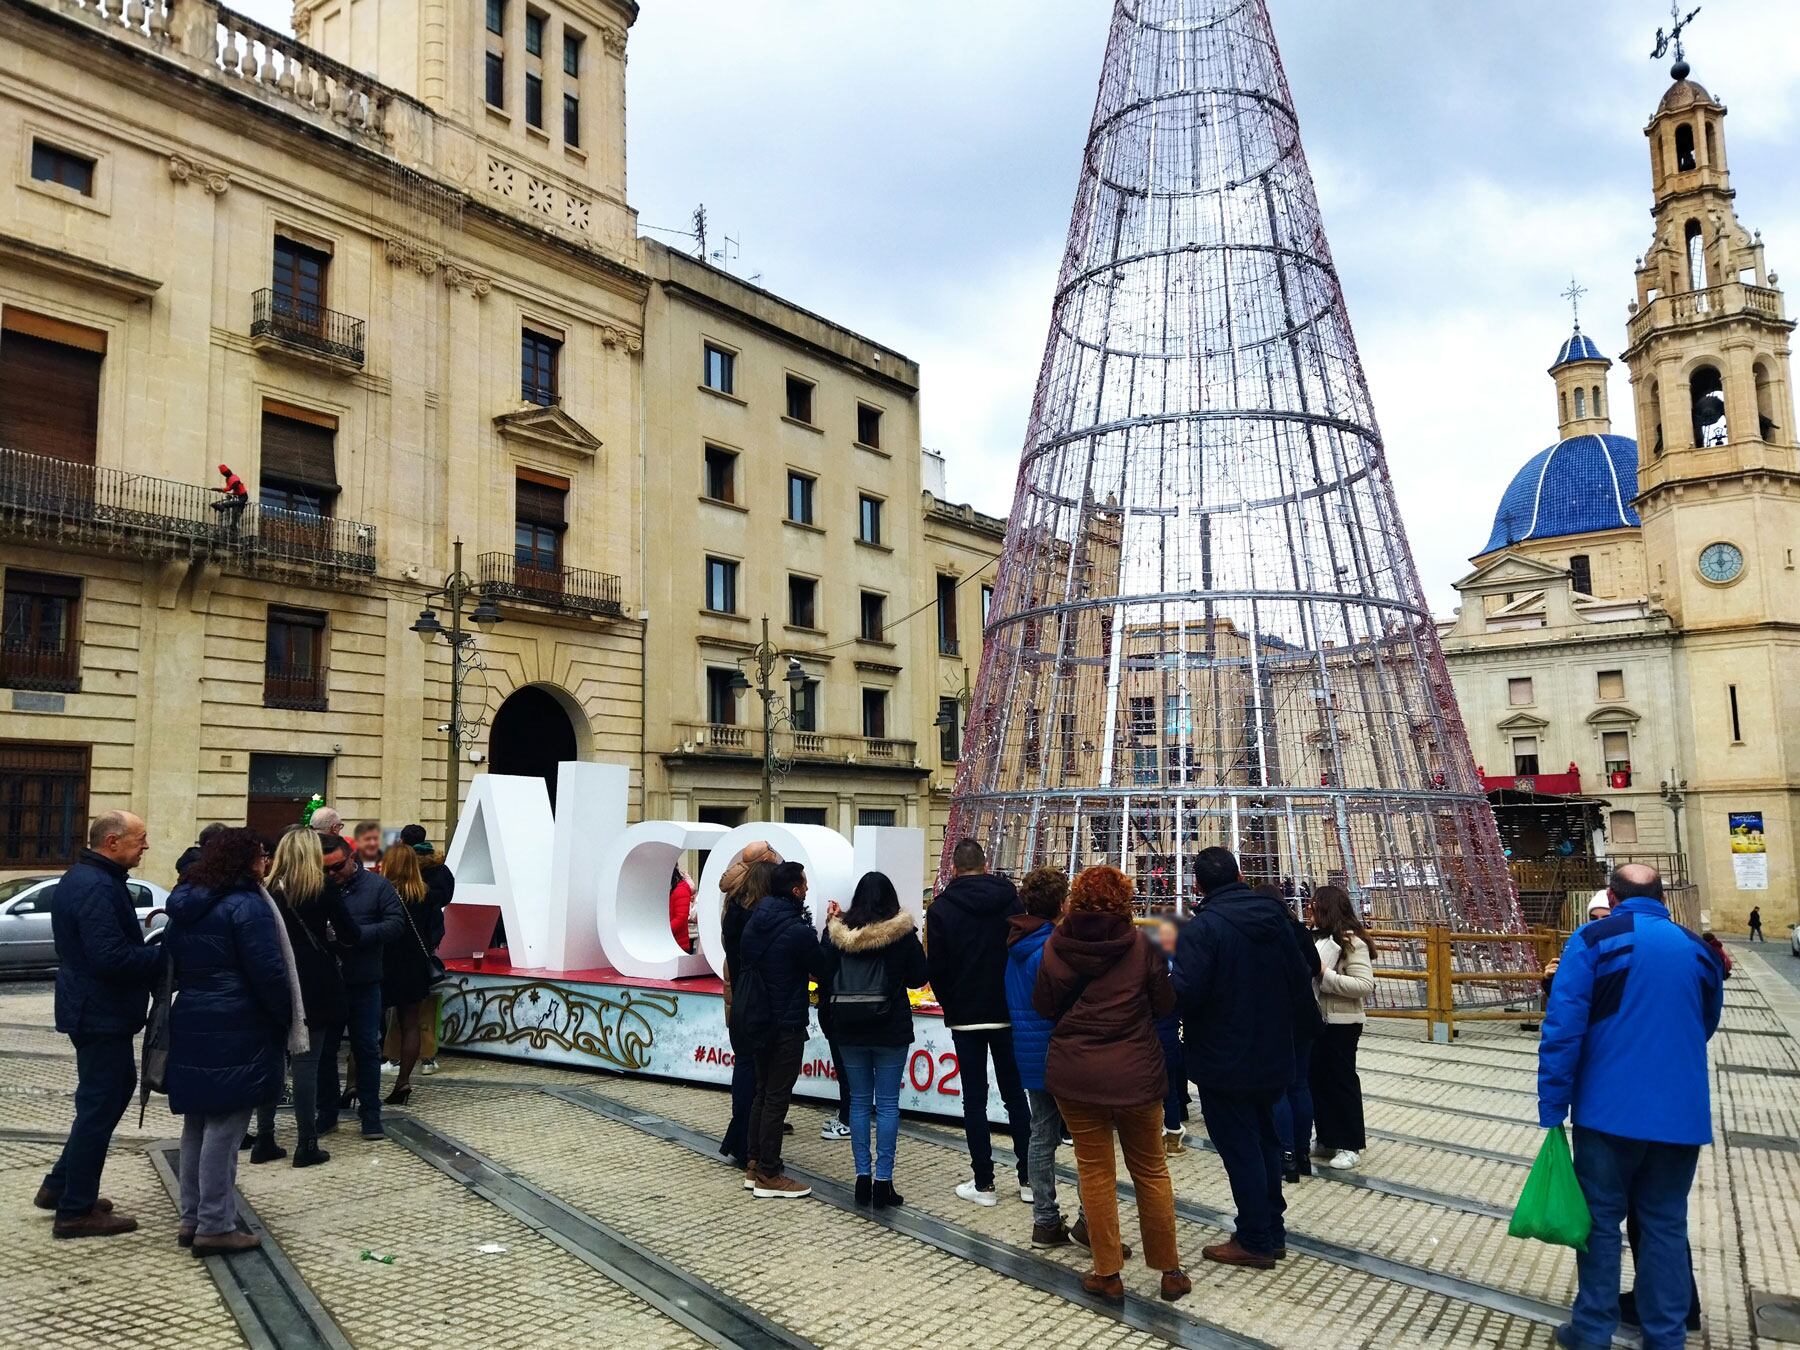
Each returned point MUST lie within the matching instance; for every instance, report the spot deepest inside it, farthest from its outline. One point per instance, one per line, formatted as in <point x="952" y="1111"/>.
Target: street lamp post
<point x="764" y="657"/>
<point x="1674" y="795"/>
<point x="457" y="588"/>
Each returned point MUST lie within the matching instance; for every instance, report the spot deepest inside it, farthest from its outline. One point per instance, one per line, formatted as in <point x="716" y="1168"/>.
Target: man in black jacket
<point x="1243" y="986"/>
<point x="965" y="950"/>
<point x="103" y="977"/>
<point x="375" y="906"/>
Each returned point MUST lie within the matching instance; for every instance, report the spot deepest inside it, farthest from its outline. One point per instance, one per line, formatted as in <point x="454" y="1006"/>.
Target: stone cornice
<point x="73" y="267"/>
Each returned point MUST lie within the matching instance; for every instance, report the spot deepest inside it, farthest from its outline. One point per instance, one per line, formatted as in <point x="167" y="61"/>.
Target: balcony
<point x="1689" y="309"/>
<point x="718" y="738"/>
<point x="573" y="590"/>
<point x="312" y="332"/>
<point x="1565" y="784"/>
<point x="296" y="685"/>
<point x="814" y="747"/>
<point x="61" y="504"/>
<point x="51" y="667"/>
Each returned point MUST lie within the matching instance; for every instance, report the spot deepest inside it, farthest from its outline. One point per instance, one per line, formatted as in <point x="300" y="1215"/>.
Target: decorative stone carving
<point x="463" y="279"/>
<point x="185" y="170"/>
<point x="613" y="39"/>
<point x="403" y="253"/>
<point x="621" y="337"/>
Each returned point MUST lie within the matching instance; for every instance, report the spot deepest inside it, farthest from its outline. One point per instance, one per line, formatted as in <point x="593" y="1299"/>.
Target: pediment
<point x="1613" y="716"/>
<point x="548" y="429"/>
<point x="1511" y="572"/>
<point x="1523" y="722"/>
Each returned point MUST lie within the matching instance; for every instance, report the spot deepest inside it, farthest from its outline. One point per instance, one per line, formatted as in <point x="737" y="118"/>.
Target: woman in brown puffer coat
<point x="1104" y="985"/>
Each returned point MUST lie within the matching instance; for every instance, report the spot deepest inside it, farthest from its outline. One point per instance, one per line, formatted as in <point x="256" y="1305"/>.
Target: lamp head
<point x="427" y="625"/>
<point x="796" y="675"/>
<point x="486" y="613"/>
<point x="739" y="682"/>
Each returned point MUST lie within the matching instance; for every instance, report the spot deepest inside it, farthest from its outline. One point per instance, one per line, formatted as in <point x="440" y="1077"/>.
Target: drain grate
<point x="1777" y="1316"/>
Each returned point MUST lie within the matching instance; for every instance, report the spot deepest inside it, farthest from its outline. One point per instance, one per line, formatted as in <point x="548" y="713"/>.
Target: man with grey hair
<point x="103" y="977"/>
<point x="327" y="821"/>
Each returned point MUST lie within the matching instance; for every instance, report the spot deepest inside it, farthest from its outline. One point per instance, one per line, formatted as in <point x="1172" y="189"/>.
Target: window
<point x="719" y="369"/>
<point x="868" y="426"/>
<point x="1581" y="574"/>
<point x="1737" y="728"/>
<point x="572" y="55"/>
<point x="1684" y="148"/>
<point x="877" y="818"/>
<point x="1610" y="685"/>
<point x="496" y="79"/>
<point x="1525" y="755"/>
<point x="987" y="604"/>
<point x="571" y="120"/>
<point x="65" y="168"/>
<point x="800" y="399"/>
<point x="804" y="708"/>
<point x="50" y="388"/>
<point x="37" y="632"/>
<point x="540" y="518"/>
<point x="1594" y="401"/>
<point x="946" y="608"/>
<point x="1766" y="401"/>
<point x="874" y="711"/>
<point x="534" y="33"/>
<point x="43" y="803"/>
<point x="874" y="617"/>
<point x="1706" y="391"/>
<point x="496" y="17"/>
<point x="1143" y="716"/>
<point x="1615" y="750"/>
<point x="803" y="602"/>
<point x="869" y="519"/>
<point x="299" y="465"/>
<point x="721" y="474"/>
<point x="805" y="815"/>
<point x="721" y="698"/>
<point x="1621" y="827"/>
<point x="721" y="585"/>
<point x="800" y="499"/>
<point x="1696" y="256"/>
<point x="1580" y="402"/>
<point x="949" y="724"/>
<point x="538" y="360"/>
<point x="534" y="100"/>
<point x="298" y="283"/>
<point x="294" y="660"/>
<point x="1518" y="692"/>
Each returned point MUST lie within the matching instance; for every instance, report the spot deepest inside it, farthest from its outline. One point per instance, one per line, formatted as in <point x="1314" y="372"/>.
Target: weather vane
<point x="1672" y="38"/>
<point x="1573" y="296"/>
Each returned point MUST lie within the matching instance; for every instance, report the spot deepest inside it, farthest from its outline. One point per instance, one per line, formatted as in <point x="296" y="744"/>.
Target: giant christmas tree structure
<point x="1207" y="626"/>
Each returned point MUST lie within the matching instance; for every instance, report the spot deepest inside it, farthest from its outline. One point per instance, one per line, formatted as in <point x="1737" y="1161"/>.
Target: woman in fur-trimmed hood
<point x="873" y="956"/>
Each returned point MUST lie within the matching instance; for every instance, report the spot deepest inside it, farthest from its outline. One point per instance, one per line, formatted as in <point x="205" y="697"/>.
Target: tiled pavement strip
<point x="836" y="1279"/>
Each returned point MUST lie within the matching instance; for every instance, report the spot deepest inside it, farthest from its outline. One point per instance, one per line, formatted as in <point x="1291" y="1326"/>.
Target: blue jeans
<point x="105" y="1074"/>
<point x="365" y="1042"/>
<point x="874" y="1074"/>
<point x="1294" y="1111"/>
<point x="1243" y="1131"/>
<point x="1652" y="1181"/>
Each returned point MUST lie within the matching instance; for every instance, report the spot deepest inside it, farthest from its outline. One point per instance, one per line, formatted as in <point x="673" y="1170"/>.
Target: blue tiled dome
<point x="1581" y="484"/>
<point x="1579" y="347"/>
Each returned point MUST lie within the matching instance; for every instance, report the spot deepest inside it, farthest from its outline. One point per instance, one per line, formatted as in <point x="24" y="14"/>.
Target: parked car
<point x="1794" y="938"/>
<point x="26" y="942"/>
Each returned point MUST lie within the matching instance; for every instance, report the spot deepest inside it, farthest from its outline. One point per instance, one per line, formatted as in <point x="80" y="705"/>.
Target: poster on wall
<point x="1749" y="859"/>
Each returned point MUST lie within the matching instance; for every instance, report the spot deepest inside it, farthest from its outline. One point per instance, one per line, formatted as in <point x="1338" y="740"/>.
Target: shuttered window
<point x="43" y="803"/>
<point x="540" y="515"/>
<point x="50" y="387"/>
<point x="299" y="464"/>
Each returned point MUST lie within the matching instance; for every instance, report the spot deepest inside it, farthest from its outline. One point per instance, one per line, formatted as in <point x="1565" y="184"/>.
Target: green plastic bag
<point x="1552" y="1208"/>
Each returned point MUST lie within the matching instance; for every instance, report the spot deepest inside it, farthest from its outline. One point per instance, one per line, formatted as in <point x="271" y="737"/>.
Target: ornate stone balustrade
<point x="146" y="20"/>
<point x="245" y="50"/>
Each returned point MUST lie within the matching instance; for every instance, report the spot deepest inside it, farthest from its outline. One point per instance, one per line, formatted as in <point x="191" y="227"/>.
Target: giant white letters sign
<point x="579" y="888"/>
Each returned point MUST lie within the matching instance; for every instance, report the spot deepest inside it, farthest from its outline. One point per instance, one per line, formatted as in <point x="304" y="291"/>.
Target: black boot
<point x="1290" y="1170"/>
<point x="862" y="1190"/>
<point x="886" y="1197"/>
<point x="266" y="1149"/>
<point x="309" y="1154"/>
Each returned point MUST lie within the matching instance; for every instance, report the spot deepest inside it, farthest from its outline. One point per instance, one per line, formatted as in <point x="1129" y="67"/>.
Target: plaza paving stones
<point x="837" y="1278"/>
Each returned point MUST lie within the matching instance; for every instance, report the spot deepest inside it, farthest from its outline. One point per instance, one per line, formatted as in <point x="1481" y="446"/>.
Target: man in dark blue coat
<point x="375" y="906"/>
<point x="1242" y="985"/>
<point x="103" y="978"/>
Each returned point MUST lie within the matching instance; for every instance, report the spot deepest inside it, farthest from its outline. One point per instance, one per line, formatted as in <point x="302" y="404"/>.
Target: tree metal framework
<point x="1207" y="626"/>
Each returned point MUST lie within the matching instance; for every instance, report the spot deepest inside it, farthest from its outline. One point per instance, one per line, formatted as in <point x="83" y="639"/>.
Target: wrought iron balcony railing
<point x="292" y="684"/>
<point x="57" y="502"/>
<point x="53" y="667"/>
<point x="574" y="589"/>
<point x="313" y="328"/>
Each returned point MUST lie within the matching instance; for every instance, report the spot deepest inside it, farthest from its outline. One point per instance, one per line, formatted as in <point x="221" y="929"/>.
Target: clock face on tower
<point x="1721" y="563"/>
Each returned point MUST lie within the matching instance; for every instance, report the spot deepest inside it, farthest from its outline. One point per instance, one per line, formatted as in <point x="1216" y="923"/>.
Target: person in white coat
<point x="1346" y="983"/>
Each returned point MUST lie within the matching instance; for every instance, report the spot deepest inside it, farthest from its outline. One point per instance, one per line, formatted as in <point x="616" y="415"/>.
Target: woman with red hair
<point x="1105" y="985"/>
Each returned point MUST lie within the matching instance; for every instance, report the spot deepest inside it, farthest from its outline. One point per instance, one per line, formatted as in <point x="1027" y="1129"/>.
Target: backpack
<point x="859" y="991"/>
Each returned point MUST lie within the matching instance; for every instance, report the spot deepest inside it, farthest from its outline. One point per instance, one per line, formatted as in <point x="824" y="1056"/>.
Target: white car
<point x="1794" y="938"/>
<point x="26" y="942"/>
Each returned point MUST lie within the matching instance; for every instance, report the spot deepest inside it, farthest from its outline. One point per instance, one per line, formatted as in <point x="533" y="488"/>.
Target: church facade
<point x="1629" y="638"/>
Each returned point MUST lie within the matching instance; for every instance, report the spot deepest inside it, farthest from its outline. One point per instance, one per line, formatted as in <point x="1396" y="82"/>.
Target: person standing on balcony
<point x="965" y="944"/>
<point x="1636" y="999"/>
<point x="104" y="973"/>
<point x="1346" y="983"/>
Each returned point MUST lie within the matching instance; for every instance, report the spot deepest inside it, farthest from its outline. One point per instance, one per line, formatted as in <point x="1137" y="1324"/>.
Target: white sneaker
<point x="975" y="1195"/>
<point x="389" y="1066"/>
<point x="1343" y="1160"/>
<point x="428" y="1066"/>
<point x="833" y="1128"/>
<point x="1025" y="1194"/>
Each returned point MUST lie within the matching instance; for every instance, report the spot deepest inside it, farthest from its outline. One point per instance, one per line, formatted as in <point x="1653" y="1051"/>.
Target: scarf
<point x="297" y="1042"/>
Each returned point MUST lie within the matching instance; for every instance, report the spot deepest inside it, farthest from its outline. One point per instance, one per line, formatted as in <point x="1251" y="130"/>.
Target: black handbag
<point x="432" y="963"/>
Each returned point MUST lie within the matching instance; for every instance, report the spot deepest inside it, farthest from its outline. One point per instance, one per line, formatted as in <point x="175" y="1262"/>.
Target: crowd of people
<point x="275" y="953"/>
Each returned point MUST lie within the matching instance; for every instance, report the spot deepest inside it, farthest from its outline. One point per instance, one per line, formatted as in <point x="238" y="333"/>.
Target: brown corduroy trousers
<point x="1140" y="1134"/>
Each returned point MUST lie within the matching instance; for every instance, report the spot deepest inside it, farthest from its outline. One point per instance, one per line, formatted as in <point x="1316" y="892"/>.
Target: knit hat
<point x="415" y="838"/>
<point x="756" y="852"/>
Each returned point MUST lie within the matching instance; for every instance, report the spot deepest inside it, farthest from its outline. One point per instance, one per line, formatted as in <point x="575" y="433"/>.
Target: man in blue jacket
<point x="103" y="976"/>
<point x="1635" y="1001"/>
<point x="375" y="906"/>
<point x="1242" y="986"/>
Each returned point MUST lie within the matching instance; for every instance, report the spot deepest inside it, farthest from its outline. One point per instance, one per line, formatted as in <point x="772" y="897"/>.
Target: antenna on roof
<point x="700" y="230"/>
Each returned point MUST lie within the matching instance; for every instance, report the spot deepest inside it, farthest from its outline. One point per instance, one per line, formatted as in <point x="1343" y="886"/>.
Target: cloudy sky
<point x="906" y="167"/>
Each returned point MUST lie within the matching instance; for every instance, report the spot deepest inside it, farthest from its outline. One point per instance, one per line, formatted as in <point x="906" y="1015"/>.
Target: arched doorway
<point x="532" y="734"/>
